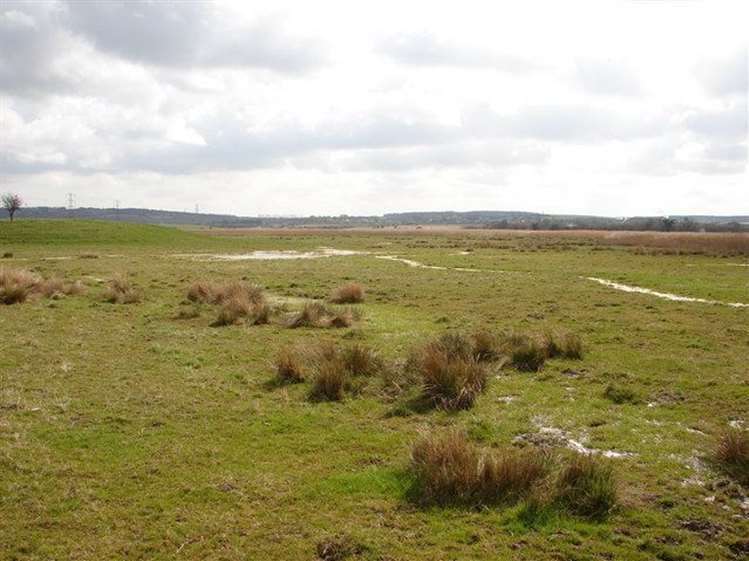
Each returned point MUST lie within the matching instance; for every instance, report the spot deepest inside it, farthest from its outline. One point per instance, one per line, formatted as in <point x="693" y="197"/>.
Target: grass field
<point x="135" y="431"/>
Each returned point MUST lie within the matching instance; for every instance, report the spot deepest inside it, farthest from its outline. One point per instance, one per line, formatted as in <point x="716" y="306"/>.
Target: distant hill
<point x="472" y="219"/>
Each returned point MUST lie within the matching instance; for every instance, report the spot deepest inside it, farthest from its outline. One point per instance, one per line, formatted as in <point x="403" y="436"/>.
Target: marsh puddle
<point x="270" y="255"/>
<point x="663" y="295"/>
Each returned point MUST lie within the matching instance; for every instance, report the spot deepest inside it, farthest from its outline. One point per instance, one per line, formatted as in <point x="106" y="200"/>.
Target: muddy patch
<point x="663" y="295"/>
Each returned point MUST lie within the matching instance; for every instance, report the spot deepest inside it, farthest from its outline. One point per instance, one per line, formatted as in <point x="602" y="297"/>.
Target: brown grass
<point x="449" y="469"/>
<point x="562" y="345"/>
<point x="315" y="314"/>
<point x="485" y="346"/>
<point x="18" y="285"/>
<point x="291" y="365"/>
<point x="120" y="291"/>
<point x="351" y="293"/>
<point x="450" y="382"/>
<point x="525" y="353"/>
<point x="360" y="360"/>
<point x="732" y="453"/>
<point x="330" y="381"/>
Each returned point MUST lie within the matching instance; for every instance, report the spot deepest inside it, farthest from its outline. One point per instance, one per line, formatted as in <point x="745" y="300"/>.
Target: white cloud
<point x="334" y="107"/>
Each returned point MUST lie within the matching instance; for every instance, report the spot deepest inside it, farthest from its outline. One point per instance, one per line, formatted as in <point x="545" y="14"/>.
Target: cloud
<point x="425" y="49"/>
<point x="190" y="34"/>
<point x="30" y="47"/>
<point x="726" y="76"/>
<point x="571" y="122"/>
<point x="729" y="122"/>
<point x="607" y="77"/>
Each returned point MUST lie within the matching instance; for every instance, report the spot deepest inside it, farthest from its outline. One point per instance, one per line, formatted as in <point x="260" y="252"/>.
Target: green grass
<point x="126" y="433"/>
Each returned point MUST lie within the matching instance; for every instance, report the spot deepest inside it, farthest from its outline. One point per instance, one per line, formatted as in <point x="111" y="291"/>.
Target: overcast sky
<point x="614" y="108"/>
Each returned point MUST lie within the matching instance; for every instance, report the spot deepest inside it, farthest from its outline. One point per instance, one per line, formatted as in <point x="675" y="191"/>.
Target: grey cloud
<point x="189" y="34"/>
<point x="576" y="123"/>
<point x="462" y="154"/>
<point x="607" y="77"/>
<point x="29" y="45"/>
<point x="728" y="76"/>
<point x="727" y="123"/>
<point x="424" y="49"/>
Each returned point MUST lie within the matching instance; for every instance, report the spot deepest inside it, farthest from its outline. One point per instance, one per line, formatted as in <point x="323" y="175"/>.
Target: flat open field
<point x="143" y="431"/>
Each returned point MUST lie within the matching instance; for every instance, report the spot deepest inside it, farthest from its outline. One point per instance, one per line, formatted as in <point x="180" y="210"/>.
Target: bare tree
<point x="11" y="202"/>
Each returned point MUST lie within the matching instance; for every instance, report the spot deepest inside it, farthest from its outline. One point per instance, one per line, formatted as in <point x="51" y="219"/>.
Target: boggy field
<point x="376" y="395"/>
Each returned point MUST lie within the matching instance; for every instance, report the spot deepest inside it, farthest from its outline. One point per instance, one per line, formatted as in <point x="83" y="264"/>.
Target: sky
<point x="299" y="108"/>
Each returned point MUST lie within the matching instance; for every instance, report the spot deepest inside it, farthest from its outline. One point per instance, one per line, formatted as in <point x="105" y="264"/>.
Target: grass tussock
<point x="18" y="286"/>
<point x="316" y="314"/>
<point x="562" y="345"/>
<point x="121" y="291"/>
<point x="350" y="293"/>
<point x="524" y="352"/>
<point x="360" y="360"/>
<point x="485" y="346"/>
<point x="449" y="469"/>
<point x="292" y="365"/>
<point x="586" y="486"/>
<point x="330" y="380"/>
<point x="239" y="302"/>
<point x="451" y="383"/>
<point x="732" y="453"/>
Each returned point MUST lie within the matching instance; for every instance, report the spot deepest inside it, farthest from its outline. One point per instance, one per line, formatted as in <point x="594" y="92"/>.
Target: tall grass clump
<point x="451" y="383"/>
<point x="524" y="353"/>
<point x="562" y="345"/>
<point x="292" y="365"/>
<point x="316" y="314"/>
<point x="449" y="469"/>
<point x="238" y="301"/>
<point x="121" y="291"/>
<point x="586" y="486"/>
<point x="360" y="360"/>
<point x="330" y="380"/>
<point x="485" y="346"/>
<point x="350" y="293"/>
<point x="732" y="453"/>
<point x="17" y="285"/>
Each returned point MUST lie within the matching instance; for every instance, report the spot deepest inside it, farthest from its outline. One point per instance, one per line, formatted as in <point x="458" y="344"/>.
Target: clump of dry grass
<point x="238" y="301"/>
<point x="451" y="383"/>
<point x="292" y="365"/>
<point x="485" y="346"/>
<point x="56" y="288"/>
<point x="449" y="469"/>
<point x="315" y="314"/>
<point x="330" y="380"/>
<point x="564" y="345"/>
<point x="732" y="453"/>
<point x="17" y="286"/>
<point x="525" y="353"/>
<point x="360" y="360"/>
<point x="8" y="255"/>
<point x="121" y="291"/>
<point x="587" y="486"/>
<point x="350" y="293"/>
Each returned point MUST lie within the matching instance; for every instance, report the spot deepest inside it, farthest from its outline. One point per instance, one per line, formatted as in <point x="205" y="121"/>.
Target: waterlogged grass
<point x="128" y="433"/>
